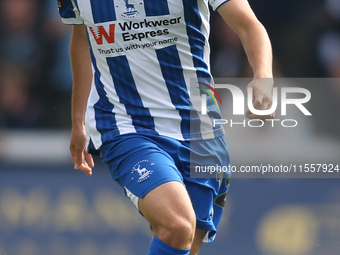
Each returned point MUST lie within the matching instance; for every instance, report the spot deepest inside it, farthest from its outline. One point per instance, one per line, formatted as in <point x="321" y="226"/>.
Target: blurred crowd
<point x="35" y="76"/>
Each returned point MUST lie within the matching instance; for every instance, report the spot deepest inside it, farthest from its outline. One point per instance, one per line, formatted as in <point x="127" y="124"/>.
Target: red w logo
<point x="101" y="32"/>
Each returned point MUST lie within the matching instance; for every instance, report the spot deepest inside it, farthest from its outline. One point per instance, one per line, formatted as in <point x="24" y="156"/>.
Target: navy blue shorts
<point x="139" y="163"/>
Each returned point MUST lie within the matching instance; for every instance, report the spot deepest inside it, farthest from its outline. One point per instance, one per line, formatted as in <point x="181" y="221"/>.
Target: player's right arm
<point x="82" y="78"/>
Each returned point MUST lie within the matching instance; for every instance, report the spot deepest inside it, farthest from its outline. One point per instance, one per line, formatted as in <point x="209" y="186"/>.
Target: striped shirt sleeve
<point x="69" y="12"/>
<point x="216" y="3"/>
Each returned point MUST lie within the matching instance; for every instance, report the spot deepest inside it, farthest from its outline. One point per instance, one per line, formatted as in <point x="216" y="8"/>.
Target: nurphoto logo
<point x="238" y="97"/>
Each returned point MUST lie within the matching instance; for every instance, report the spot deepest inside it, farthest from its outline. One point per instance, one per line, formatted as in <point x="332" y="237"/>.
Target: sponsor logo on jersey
<point x="127" y="27"/>
<point x="129" y="30"/>
<point x="101" y="32"/>
<point x="141" y="168"/>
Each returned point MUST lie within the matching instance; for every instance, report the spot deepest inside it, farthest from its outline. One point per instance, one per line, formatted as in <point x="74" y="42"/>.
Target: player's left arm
<point x="241" y="18"/>
<point x="82" y="77"/>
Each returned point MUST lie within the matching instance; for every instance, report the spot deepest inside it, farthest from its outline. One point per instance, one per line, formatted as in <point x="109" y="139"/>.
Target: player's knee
<point x="183" y="228"/>
<point x="179" y="232"/>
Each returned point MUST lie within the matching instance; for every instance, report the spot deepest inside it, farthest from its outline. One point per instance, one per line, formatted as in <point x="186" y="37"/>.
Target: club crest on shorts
<point x="141" y="168"/>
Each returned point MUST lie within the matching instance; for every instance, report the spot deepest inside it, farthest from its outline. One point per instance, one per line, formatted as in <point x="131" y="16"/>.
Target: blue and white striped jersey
<point x="147" y="57"/>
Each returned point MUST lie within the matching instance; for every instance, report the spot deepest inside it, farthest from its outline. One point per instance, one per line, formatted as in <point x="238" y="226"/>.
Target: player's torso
<point x="145" y="54"/>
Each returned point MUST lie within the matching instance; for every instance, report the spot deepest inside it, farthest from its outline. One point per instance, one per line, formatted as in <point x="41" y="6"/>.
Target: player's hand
<point x="262" y="97"/>
<point x="81" y="159"/>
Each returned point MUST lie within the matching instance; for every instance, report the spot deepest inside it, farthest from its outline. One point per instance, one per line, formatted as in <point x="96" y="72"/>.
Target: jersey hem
<point x="192" y="137"/>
